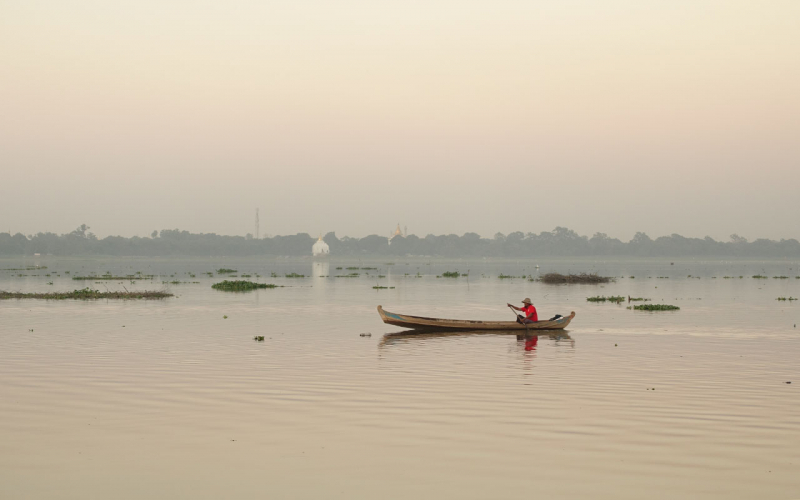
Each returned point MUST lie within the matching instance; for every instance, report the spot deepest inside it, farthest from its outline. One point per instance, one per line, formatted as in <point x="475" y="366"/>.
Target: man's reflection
<point x="530" y="342"/>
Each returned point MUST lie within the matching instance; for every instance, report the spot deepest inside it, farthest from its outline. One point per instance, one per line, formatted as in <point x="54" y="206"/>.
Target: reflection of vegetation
<point x="86" y="294"/>
<point x="240" y="286"/>
<point x="656" y="307"/>
<point x="590" y="278"/>
<point x="614" y="298"/>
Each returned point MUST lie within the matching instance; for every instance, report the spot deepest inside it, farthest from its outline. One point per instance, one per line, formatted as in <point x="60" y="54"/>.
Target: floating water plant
<point x="110" y="277"/>
<point x="637" y="299"/>
<point x="451" y="274"/>
<point x="787" y="298"/>
<point x="614" y="298"/>
<point x="780" y="277"/>
<point x="240" y="286"/>
<point x="86" y="294"/>
<point x="295" y="275"/>
<point x="383" y="287"/>
<point x="656" y="307"/>
<point x="225" y="270"/>
<point x="259" y="338"/>
<point x="505" y="276"/>
<point x="588" y="278"/>
<point x="759" y="277"/>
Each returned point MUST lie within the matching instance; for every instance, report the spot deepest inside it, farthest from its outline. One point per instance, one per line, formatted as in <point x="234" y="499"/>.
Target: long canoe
<point x="434" y="324"/>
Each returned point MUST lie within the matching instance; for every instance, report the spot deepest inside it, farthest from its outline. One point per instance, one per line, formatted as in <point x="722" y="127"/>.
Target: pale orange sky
<point x="446" y="116"/>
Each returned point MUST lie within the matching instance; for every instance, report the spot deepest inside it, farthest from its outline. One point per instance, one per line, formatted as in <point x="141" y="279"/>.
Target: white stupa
<point x="320" y="248"/>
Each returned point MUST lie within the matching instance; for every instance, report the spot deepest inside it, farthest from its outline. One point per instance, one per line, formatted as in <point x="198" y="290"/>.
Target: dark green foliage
<point x="759" y="277"/>
<point x="225" y="270"/>
<point x="656" y="307"/>
<point x="110" y="277"/>
<point x="614" y="298"/>
<point x="295" y="275"/>
<point x="240" y="286"/>
<point x="85" y="294"/>
<point x="383" y="287"/>
<point x="451" y="274"/>
<point x="589" y="278"/>
<point x="637" y="299"/>
<point x="785" y="298"/>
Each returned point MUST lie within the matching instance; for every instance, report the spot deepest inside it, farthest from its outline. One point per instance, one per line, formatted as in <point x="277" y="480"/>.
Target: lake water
<point x="171" y="399"/>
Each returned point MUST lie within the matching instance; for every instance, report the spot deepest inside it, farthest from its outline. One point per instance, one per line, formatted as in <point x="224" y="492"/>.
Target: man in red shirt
<point x="530" y="312"/>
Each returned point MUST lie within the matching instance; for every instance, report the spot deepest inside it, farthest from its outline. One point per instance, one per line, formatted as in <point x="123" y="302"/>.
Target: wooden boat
<point x="437" y="324"/>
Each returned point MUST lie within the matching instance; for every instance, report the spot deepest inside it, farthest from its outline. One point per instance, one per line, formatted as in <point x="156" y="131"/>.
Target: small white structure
<point x="320" y="248"/>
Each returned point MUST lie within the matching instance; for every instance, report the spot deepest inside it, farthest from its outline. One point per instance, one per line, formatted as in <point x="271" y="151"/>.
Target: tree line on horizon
<point x="558" y="242"/>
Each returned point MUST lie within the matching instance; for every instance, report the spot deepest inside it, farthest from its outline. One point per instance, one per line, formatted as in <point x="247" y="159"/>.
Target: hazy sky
<point x="446" y="116"/>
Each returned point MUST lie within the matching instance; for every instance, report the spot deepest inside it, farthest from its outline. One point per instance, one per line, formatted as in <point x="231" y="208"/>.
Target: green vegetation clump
<point x="787" y="298"/>
<point x="637" y="299"/>
<point x="383" y="287"/>
<point x="451" y="274"/>
<point x="583" y="278"/>
<point x="656" y="307"/>
<point x="110" y="277"/>
<point x="759" y="277"/>
<point x="351" y="275"/>
<point x="505" y="276"/>
<point x="295" y="275"/>
<point x="614" y="298"/>
<point x="240" y="286"/>
<point x="225" y="270"/>
<point x="780" y="277"/>
<point x="85" y="294"/>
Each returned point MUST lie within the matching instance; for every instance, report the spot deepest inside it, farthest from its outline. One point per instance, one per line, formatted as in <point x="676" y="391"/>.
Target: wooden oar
<point x="527" y="330"/>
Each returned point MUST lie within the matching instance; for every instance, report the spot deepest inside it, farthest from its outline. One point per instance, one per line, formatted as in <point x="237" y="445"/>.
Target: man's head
<point x="527" y="302"/>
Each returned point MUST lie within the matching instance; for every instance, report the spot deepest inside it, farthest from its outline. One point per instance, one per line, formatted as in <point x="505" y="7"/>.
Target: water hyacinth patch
<point x="656" y="307"/>
<point x="616" y="299"/>
<point x="240" y="286"/>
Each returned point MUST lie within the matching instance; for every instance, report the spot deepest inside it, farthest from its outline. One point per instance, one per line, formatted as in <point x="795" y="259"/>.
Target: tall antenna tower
<point x="257" y="223"/>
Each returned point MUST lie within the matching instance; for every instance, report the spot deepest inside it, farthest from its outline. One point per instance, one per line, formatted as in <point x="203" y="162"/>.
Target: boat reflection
<point x="531" y="339"/>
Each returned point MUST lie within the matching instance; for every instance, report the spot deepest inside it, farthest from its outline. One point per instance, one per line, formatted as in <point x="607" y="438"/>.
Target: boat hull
<point x="437" y="324"/>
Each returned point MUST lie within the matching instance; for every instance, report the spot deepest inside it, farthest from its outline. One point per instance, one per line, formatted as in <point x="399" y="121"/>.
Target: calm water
<point x="169" y="399"/>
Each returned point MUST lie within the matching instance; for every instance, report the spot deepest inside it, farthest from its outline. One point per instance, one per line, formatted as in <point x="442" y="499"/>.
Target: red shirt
<point x="530" y="313"/>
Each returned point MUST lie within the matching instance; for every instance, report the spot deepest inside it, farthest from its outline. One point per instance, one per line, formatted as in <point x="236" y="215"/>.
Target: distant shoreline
<point x="560" y="242"/>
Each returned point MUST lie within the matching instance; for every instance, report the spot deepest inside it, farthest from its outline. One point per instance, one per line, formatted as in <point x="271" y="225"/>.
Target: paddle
<point x="527" y="330"/>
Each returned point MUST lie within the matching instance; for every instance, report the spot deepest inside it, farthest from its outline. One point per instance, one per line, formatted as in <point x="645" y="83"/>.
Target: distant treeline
<point x="558" y="242"/>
